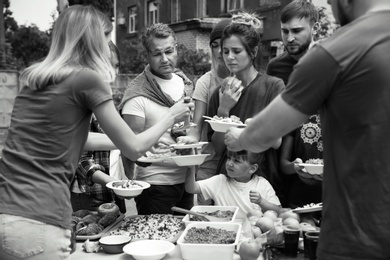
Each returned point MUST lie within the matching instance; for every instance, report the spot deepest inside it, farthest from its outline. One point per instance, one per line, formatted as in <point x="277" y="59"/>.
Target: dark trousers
<point x="159" y="199"/>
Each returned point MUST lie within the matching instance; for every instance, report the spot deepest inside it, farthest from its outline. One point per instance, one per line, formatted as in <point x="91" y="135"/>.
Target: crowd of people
<point x="323" y="100"/>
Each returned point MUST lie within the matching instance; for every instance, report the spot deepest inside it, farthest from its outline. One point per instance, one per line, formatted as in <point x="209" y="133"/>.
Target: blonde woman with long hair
<point x="49" y="127"/>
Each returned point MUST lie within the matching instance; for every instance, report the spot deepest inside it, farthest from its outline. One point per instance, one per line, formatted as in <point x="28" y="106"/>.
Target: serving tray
<point x="99" y="235"/>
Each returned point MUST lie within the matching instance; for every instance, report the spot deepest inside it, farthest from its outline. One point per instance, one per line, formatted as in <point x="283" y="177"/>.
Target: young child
<point x="241" y="186"/>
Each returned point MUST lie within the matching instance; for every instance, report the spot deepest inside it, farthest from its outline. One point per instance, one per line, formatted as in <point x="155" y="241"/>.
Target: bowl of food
<point x="188" y="160"/>
<point x="227" y="214"/>
<point x="149" y="249"/>
<point x="128" y="188"/>
<point x="209" y="240"/>
<point x="114" y="244"/>
<point x="222" y="124"/>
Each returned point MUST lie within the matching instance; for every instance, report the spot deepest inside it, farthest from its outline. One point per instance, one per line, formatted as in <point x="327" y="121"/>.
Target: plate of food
<point x="312" y="207"/>
<point x="155" y="226"/>
<point x="188" y="146"/>
<point x="189" y="160"/>
<point x="222" y="124"/>
<point x="316" y="169"/>
<point x="128" y="188"/>
<point x="155" y="157"/>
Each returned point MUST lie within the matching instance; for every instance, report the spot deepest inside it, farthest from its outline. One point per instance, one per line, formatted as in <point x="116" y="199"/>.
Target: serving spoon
<point x="204" y="217"/>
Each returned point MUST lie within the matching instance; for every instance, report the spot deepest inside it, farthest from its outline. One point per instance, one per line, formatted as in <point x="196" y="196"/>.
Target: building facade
<point x="193" y="20"/>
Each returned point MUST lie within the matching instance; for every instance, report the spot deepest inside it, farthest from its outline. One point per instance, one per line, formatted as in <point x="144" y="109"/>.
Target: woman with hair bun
<point x="247" y="91"/>
<point x="49" y="128"/>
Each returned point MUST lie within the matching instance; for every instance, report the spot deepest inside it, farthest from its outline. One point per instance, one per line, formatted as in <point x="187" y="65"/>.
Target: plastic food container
<point x="210" y="209"/>
<point x="209" y="251"/>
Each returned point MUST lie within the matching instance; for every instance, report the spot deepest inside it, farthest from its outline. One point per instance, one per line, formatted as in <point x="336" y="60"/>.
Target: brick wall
<point x="194" y="40"/>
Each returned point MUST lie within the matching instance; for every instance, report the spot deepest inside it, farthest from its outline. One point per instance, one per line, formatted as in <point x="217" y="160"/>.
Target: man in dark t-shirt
<point x="351" y="73"/>
<point x="298" y="24"/>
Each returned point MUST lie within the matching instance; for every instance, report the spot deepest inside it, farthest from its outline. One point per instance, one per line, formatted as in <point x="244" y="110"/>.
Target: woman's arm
<point x="98" y="142"/>
<point x="131" y="145"/>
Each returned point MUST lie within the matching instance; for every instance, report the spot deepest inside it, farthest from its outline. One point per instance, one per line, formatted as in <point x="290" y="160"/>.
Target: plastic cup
<point x="291" y="239"/>
<point x="305" y="245"/>
<point x="312" y="238"/>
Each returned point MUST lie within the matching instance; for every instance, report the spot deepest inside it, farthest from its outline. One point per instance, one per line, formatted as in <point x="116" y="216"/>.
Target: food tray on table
<point x="155" y="226"/>
<point x="105" y="230"/>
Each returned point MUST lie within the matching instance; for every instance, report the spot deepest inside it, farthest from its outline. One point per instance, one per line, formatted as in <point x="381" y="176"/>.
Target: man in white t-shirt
<point x="148" y="97"/>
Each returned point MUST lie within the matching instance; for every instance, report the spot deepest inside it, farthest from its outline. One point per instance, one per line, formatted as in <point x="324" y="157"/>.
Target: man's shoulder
<point x="280" y="58"/>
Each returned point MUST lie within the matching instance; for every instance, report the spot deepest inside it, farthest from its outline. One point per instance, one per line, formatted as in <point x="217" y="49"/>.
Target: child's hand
<point x="255" y="197"/>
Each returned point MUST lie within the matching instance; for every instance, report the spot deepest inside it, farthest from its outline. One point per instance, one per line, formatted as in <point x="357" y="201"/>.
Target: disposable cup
<point x="312" y="238"/>
<point x="291" y="239"/>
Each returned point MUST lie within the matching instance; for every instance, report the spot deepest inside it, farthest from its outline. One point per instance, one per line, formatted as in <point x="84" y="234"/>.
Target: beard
<point x="301" y="49"/>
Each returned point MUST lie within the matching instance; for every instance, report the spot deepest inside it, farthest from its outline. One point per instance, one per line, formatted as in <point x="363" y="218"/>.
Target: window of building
<point x="132" y="19"/>
<point x="202" y="8"/>
<point x="175" y="11"/>
<point x="152" y="12"/>
<point x="232" y="5"/>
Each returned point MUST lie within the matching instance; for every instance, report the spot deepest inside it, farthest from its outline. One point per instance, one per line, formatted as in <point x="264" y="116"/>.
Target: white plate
<point x="219" y="126"/>
<point x="306" y="210"/>
<point x="317" y="169"/>
<point x="188" y="146"/>
<point x="189" y="160"/>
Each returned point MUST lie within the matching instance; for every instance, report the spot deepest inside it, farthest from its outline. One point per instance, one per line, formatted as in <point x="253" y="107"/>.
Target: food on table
<point x="250" y="249"/>
<point x="91" y="247"/>
<point x="222" y="214"/>
<point x="127" y="185"/>
<point x="95" y="222"/>
<point x="107" y="208"/>
<point x="90" y="219"/>
<point x="90" y="230"/>
<point x="154" y="226"/>
<point x="81" y="213"/>
<point x="107" y="219"/>
<point x="209" y="235"/>
<point x="315" y="161"/>
<point x="231" y="119"/>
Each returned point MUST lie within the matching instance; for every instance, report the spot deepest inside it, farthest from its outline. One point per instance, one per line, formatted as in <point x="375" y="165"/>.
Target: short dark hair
<point x="299" y="9"/>
<point x="158" y="30"/>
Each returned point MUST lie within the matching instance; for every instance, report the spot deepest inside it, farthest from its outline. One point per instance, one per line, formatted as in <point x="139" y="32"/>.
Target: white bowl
<point x="219" y="126"/>
<point x="128" y="192"/>
<point x="188" y="160"/>
<point x="149" y="249"/>
<point x="209" y="209"/>
<point x="209" y="251"/>
<point x="114" y="244"/>
<point x="313" y="168"/>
